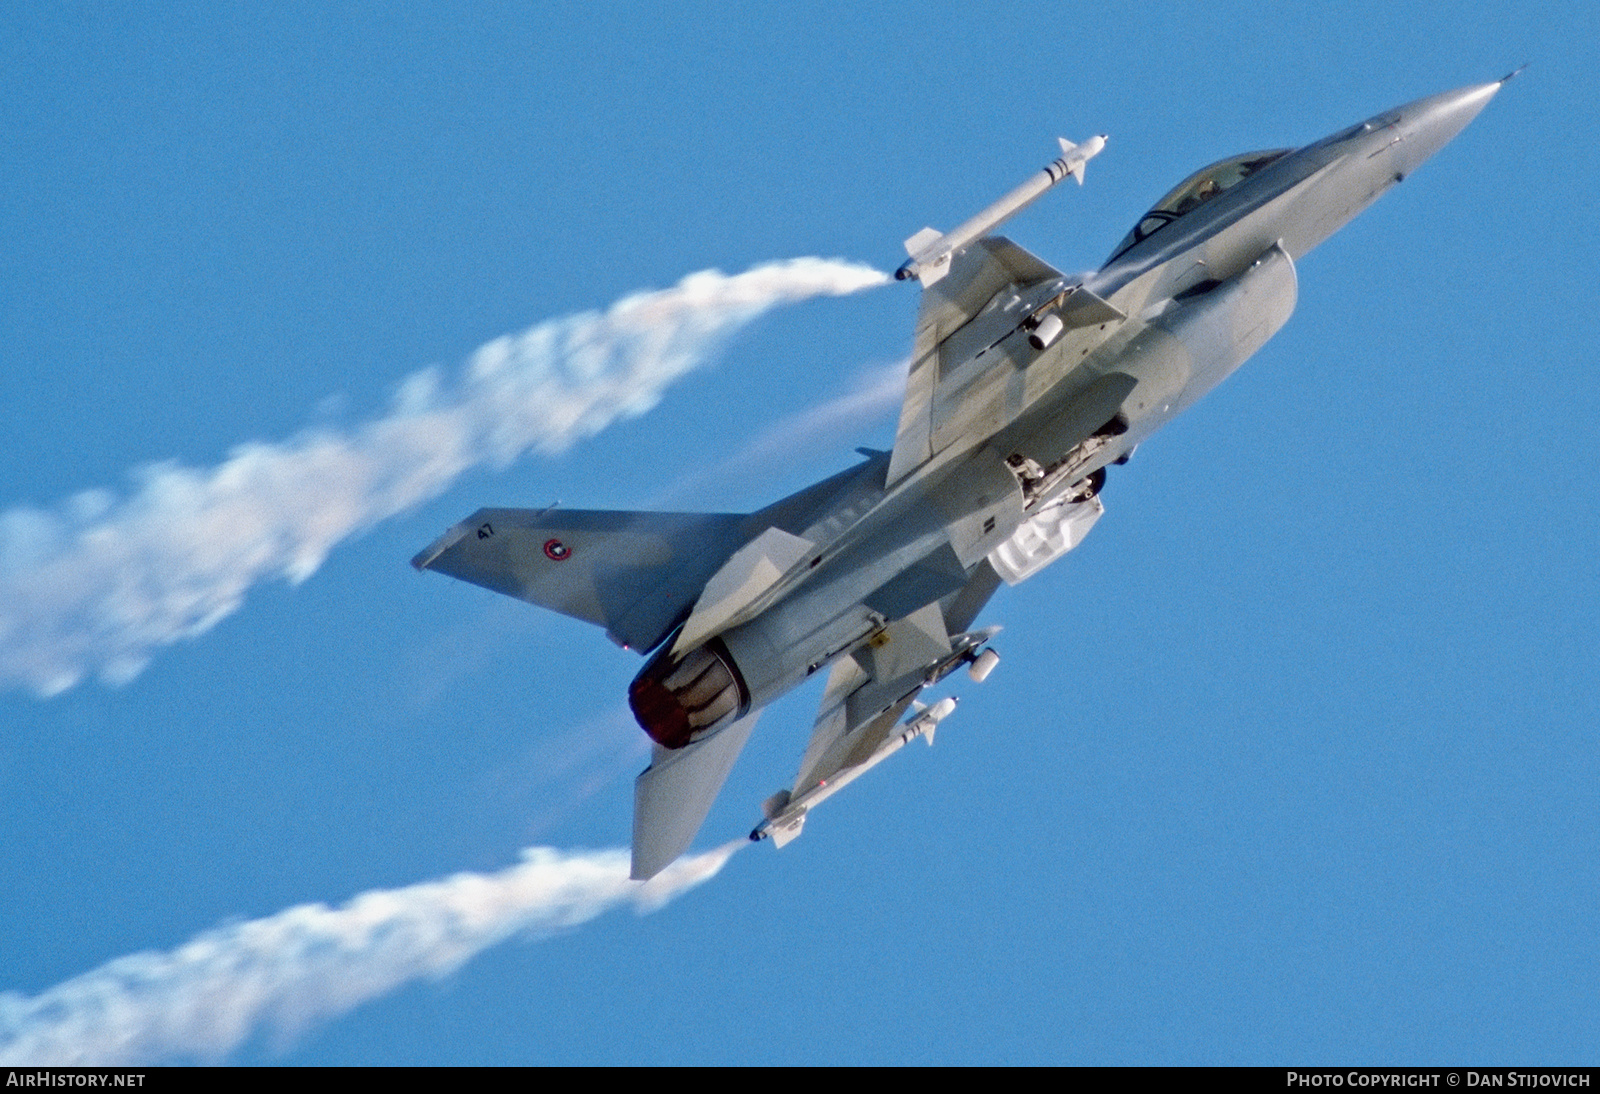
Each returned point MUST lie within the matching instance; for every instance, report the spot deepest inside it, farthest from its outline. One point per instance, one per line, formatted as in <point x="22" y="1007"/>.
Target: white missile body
<point x="931" y="250"/>
<point x="786" y="816"/>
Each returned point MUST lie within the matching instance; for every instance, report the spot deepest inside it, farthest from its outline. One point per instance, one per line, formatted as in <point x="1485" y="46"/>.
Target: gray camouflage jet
<point x="1024" y="386"/>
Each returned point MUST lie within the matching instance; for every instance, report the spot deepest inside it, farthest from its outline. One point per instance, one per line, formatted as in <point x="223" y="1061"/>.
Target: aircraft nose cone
<point x="1430" y="124"/>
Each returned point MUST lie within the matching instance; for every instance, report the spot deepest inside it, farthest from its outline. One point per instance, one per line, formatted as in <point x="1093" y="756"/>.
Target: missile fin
<point x="1067" y="147"/>
<point x="922" y="240"/>
<point x="786" y="831"/>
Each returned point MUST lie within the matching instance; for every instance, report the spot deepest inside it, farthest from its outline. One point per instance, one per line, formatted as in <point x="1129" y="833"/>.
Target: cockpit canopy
<point x="1195" y="191"/>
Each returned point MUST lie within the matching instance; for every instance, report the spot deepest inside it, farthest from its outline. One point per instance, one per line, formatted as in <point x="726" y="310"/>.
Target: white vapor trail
<point x="872" y="396"/>
<point x="281" y="974"/>
<point x="96" y="584"/>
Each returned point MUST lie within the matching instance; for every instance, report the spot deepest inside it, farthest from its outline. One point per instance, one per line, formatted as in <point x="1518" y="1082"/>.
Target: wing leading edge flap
<point x="672" y="796"/>
<point x="635" y="574"/>
<point x="976" y="274"/>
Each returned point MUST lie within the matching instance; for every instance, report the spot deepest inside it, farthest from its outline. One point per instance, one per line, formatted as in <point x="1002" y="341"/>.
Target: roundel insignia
<point x="556" y="551"/>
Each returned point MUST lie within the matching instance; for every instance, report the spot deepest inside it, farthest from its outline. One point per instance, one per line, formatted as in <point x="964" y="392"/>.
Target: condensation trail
<point x="99" y="582"/>
<point x="875" y="393"/>
<point x="282" y="974"/>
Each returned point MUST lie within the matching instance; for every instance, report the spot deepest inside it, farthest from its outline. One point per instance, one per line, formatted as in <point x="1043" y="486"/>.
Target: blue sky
<point x="1293" y="760"/>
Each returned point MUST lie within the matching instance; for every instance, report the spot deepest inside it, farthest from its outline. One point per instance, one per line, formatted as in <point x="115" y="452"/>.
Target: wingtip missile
<point x="931" y="252"/>
<point x="786" y="814"/>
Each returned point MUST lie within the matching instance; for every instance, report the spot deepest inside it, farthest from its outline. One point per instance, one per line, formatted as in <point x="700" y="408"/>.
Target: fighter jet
<point x="1025" y="385"/>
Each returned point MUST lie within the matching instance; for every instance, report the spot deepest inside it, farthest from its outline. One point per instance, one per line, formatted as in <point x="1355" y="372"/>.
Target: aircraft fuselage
<point x="1199" y="291"/>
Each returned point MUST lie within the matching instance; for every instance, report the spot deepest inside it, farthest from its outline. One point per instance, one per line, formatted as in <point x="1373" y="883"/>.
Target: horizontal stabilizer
<point x="635" y="574"/>
<point x="672" y="796"/>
